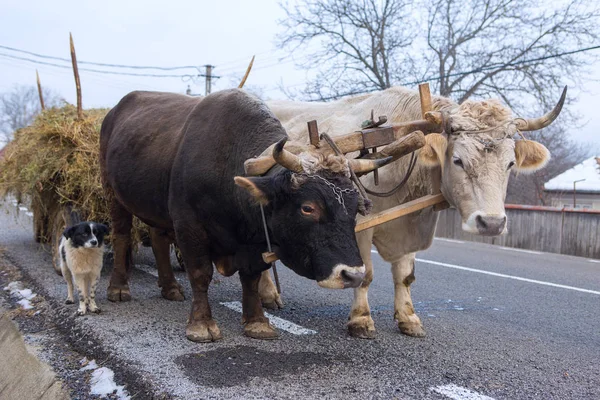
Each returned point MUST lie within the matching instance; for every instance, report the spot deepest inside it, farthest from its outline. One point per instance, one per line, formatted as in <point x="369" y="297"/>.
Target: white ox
<point x="470" y="166"/>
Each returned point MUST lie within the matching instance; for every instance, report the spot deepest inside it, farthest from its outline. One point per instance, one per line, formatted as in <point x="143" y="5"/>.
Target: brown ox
<point x="471" y="166"/>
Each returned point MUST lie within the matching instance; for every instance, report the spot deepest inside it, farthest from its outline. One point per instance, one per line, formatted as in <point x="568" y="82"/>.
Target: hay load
<point x="53" y="165"/>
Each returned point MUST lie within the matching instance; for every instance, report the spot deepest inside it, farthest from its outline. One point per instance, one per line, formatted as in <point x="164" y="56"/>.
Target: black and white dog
<point x="80" y="251"/>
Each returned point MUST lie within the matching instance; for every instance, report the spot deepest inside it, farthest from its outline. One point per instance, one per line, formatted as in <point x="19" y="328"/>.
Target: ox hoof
<point x="260" y="330"/>
<point x="117" y="294"/>
<point x="273" y="304"/>
<point x="362" y="329"/>
<point x="203" y="332"/>
<point x="411" y="329"/>
<point x="173" y="293"/>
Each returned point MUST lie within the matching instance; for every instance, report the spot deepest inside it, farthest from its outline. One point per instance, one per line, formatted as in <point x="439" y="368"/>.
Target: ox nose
<point x="352" y="279"/>
<point x="490" y="225"/>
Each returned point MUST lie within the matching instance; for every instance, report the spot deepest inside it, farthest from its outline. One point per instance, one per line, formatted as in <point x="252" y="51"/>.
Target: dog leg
<point x="82" y="289"/>
<point x="66" y="272"/>
<point x="94" y="277"/>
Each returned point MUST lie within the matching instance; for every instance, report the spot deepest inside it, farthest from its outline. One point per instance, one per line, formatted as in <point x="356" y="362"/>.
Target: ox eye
<point x="307" y="210"/>
<point x="510" y="165"/>
<point x="458" y="161"/>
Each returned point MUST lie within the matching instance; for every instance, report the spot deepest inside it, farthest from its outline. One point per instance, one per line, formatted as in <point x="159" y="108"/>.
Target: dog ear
<point x="103" y="229"/>
<point x="68" y="233"/>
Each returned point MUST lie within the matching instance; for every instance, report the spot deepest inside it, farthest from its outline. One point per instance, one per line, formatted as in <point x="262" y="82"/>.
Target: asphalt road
<point x="500" y="323"/>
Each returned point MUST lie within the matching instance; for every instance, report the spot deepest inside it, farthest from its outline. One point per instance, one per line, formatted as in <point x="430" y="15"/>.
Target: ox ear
<point x="258" y="187"/>
<point x="530" y="156"/>
<point x="433" y="154"/>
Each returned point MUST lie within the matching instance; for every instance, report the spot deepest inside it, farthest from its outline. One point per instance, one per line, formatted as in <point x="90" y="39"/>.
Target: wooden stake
<point x="241" y="85"/>
<point x="77" y="82"/>
<point x="425" y="96"/>
<point x="39" y="85"/>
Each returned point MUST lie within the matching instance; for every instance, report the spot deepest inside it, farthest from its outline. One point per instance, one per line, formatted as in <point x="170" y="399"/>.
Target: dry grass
<point x="54" y="164"/>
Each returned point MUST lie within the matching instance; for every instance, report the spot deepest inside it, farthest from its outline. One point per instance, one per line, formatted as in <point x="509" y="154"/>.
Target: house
<point x="578" y="187"/>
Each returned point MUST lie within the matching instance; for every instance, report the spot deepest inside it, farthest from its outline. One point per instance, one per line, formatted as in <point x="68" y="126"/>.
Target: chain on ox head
<point x="338" y="192"/>
<point x="509" y="128"/>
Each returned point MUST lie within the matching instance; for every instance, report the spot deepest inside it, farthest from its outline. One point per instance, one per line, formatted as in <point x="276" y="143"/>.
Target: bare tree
<point x="19" y="107"/>
<point x="359" y="43"/>
<point x="522" y="51"/>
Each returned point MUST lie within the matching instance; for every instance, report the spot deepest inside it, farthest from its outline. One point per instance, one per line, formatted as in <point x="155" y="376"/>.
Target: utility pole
<point x="208" y="76"/>
<point x="574" y="191"/>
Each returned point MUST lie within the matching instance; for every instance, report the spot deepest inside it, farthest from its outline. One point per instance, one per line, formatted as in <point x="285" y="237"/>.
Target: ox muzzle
<point x="486" y="224"/>
<point x="343" y="277"/>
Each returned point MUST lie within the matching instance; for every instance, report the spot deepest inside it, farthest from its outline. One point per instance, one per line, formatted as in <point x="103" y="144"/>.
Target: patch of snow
<point x="103" y="383"/>
<point x="90" y="365"/>
<point x="26" y="294"/>
<point x="25" y="304"/>
<point x="16" y="290"/>
<point x="588" y="170"/>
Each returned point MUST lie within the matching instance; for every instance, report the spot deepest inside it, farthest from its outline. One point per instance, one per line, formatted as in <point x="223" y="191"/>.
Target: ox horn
<point x="365" y="166"/>
<point x="285" y="158"/>
<point x="241" y="85"/>
<point x="533" y="124"/>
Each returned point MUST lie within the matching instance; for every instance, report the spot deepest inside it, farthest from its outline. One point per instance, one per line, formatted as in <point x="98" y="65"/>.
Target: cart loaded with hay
<point x="52" y="165"/>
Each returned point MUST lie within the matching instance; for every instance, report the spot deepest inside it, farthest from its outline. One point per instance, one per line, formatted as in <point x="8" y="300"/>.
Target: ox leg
<point x="170" y="289"/>
<point x="403" y="271"/>
<point x="268" y="292"/>
<point x="256" y="325"/>
<point x="360" y="323"/>
<point x="193" y="243"/>
<point x="118" y="288"/>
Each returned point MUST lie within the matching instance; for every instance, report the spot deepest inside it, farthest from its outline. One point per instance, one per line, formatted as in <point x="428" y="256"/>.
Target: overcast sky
<point x="224" y="33"/>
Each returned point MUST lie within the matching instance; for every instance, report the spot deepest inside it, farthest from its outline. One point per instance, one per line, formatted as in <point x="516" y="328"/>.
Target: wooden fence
<point x="549" y="229"/>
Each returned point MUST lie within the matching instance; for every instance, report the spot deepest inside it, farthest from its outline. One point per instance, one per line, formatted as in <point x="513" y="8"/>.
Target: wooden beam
<point x="313" y="133"/>
<point x="401" y="147"/>
<point x="354" y="141"/>
<point x="77" y="81"/>
<point x="399" y="211"/>
<point x="39" y="86"/>
<point x="425" y="96"/>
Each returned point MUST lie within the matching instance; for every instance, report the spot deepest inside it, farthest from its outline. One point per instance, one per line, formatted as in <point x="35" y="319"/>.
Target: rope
<point x="264" y="221"/>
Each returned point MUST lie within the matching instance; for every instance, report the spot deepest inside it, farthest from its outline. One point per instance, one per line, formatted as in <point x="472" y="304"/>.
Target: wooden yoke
<point x="397" y="140"/>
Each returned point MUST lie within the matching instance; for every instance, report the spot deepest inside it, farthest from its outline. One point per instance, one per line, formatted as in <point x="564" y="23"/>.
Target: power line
<point x="91" y="70"/>
<point x="473" y="71"/>
<point x="96" y="63"/>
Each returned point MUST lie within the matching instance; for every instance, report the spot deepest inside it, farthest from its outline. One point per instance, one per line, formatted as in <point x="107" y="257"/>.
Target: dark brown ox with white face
<point x="172" y="161"/>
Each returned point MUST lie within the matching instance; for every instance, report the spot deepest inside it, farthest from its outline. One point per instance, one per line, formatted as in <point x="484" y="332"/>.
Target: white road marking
<point x="279" y="323"/>
<point x="594" y="261"/>
<point x="458" y="393"/>
<point x="374" y="252"/>
<point x="517" y="278"/>
<point x="521" y="250"/>
<point x="450" y="240"/>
